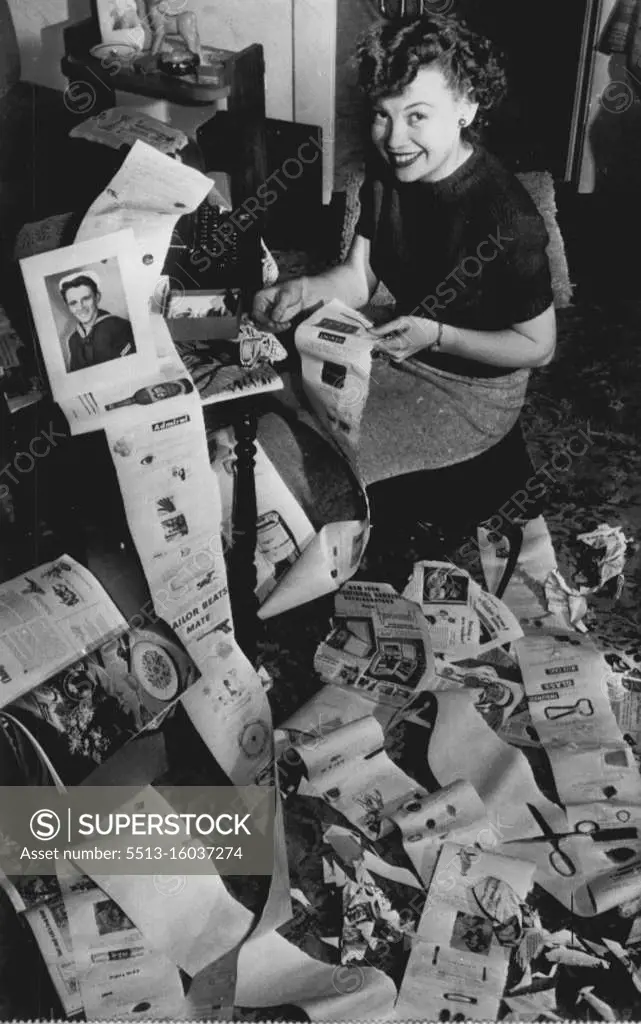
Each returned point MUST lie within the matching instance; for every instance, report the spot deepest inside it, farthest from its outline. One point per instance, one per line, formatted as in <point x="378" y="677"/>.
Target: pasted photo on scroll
<point x="91" y="318"/>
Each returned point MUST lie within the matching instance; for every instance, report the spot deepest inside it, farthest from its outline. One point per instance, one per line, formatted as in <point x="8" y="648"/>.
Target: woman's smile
<point x="402" y="160"/>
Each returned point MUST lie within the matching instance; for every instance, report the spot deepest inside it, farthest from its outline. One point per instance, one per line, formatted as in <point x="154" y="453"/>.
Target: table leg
<point x="242" y="567"/>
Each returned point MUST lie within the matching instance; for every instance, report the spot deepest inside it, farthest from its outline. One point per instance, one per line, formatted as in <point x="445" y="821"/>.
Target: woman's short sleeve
<point x="522" y="270"/>
<point x="365" y="224"/>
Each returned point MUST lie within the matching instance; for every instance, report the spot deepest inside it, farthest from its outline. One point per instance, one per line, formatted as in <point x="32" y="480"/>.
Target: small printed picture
<point x="90" y="311"/>
<point x="472" y="934"/>
<point x="175" y="526"/>
<point x="120" y="22"/>
<point x="123" y="14"/>
<point x="445" y="586"/>
<point x="337" y="325"/>
<point x="110" y="918"/>
<point x="200" y="304"/>
<point x="65" y="594"/>
<point x="334" y="375"/>
<point x="617" y="662"/>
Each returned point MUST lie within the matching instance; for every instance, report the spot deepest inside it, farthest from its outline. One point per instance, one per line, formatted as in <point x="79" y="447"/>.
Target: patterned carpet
<point x="592" y="392"/>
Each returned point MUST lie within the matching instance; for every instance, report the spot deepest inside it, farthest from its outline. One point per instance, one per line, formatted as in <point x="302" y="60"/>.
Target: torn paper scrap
<point x="624" y="958"/>
<point x="497" y="694"/>
<point x="568" y="606"/>
<point x="532" y="1006"/>
<point x="368" y="917"/>
<point x="525" y="595"/>
<point x="604" y="1009"/>
<point x="609" y="544"/>
<point x="379" y="646"/>
<point x="117" y="127"/>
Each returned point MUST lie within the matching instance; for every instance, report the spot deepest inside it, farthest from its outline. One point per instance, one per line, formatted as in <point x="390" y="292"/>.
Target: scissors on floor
<point x="559" y="859"/>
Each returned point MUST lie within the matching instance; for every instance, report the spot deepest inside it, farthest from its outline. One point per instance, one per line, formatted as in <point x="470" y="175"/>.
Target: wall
<point x="314" y="44"/>
<point x="354" y="17"/>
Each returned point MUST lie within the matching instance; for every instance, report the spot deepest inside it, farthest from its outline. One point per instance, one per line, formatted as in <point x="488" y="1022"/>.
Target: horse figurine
<point x="163" y="22"/>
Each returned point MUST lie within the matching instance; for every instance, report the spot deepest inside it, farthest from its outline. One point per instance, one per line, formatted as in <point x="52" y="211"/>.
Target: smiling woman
<point x="460" y="246"/>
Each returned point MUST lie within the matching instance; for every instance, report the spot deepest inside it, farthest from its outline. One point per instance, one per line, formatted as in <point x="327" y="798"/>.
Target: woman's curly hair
<point x="390" y="56"/>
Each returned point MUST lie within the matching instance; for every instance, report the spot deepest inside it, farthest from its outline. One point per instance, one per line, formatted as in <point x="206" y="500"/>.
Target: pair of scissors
<point x="559" y="859"/>
<point x="603" y="835"/>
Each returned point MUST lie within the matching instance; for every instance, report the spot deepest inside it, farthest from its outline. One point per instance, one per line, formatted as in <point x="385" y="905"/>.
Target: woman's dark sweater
<point x="469" y="250"/>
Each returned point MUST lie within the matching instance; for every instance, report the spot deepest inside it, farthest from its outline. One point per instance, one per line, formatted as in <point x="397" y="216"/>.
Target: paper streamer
<point x="173" y="509"/>
<point x="565" y="679"/>
<point x="456" y="811"/>
<point x="148" y="194"/>
<point x="457" y="964"/>
<point x="192" y="919"/>
<point x="120" y="975"/>
<point x="501" y="775"/>
<point x="50" y="927"/>
<point x="272" y="972"/>
<point x="504" y="781"/>
<point x="336" y="362"/>
<point x="352" y="772"/>
<point x="330" y="558"/>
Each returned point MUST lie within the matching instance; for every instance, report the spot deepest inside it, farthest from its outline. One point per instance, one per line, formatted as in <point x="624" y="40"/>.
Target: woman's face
<point x="418" y="133"/>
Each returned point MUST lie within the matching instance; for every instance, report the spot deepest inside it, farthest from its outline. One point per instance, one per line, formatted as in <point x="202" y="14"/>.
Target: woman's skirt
<point x="417" y="417"/>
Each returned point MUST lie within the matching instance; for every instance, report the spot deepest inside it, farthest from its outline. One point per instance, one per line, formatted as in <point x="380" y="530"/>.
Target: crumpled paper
<point x="258" y="346"/>
<point x="368" y="917"/>
<point x="564" y="602"/>
<point x="610" y="545"/>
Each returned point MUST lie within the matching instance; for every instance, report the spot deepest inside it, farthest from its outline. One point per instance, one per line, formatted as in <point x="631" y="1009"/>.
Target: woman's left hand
<point x="405" y="336"/>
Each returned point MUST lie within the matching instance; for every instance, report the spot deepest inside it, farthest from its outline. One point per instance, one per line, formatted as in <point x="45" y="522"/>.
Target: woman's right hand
<point x="276" y="307"/>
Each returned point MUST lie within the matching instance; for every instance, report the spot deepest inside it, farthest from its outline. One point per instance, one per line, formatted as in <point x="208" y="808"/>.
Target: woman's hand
<point x="407" y="335"/>
<point x="276" y="307"/>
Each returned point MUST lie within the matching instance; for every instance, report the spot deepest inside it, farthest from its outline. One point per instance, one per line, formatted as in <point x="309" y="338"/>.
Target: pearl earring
<point x="462" y="123"/>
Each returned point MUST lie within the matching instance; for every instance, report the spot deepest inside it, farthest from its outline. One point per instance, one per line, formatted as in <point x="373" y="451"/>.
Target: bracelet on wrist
<point x="435" y="346"/>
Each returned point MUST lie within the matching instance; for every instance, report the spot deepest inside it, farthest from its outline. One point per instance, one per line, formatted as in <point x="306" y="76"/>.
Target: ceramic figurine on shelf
<point x="164" y="22"/>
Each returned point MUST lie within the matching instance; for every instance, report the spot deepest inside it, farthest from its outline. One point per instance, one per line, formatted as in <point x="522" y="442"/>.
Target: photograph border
<point x="122" y="246"/>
